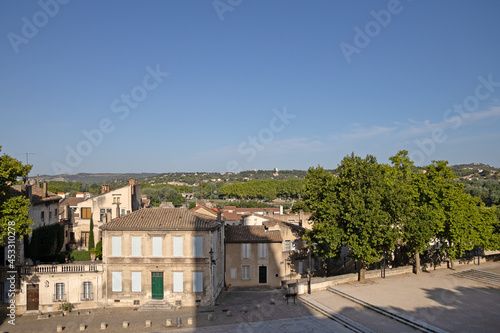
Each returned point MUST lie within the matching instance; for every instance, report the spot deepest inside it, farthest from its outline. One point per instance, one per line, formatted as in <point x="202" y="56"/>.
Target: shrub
<point x="79" y="255"/>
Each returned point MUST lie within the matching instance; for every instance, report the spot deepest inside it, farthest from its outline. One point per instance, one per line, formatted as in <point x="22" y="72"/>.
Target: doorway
<point x="262" y="274"/>
<point x="157" y="285"/>
<point x="33" y="297"/>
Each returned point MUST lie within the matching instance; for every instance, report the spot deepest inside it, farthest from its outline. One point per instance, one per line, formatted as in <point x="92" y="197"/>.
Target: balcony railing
<point x="62" y="268"/>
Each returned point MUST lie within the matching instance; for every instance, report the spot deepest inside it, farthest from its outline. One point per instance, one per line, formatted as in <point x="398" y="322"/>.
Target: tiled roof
<point x="232" y="216"/>
<point x="71" y="201"/>
<point x="36" y="194"/>
<point x="272" y="222"/>
<point x="161" y="219"/>
<point x="251" y="234"/>
<point x="203" y="207"/>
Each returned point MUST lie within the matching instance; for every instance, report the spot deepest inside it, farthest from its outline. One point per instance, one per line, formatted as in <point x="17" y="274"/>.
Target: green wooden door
<point x="157" y="285"/>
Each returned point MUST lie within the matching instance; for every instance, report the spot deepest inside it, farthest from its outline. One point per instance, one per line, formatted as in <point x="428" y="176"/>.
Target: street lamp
<point x="310" y="266"/>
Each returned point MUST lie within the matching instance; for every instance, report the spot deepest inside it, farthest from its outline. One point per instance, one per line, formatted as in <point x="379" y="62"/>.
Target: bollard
<point x="59" y="328"/>
<point x="103" y="326"/>
<point x="210" y="317"/>
<point x="190" y="321"/>
<point x="273" y="301"/>
<point x="168" y="323"/>
<point x="83" y="327"/>
<point x="125" y="324"/>
<point x="148" y="323"/>
<point x="228" y="313"/>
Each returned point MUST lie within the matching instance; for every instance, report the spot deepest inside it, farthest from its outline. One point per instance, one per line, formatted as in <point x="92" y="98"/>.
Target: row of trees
<point x="264" y="189"/>
<point x="372" y="207"/>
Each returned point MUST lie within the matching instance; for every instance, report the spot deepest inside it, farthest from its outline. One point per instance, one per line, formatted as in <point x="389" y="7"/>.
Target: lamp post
<point x="311" y="247"/>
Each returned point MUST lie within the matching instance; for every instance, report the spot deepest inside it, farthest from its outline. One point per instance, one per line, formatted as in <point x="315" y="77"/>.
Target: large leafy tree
<point x="13" y="210"/>
<point x="353" y="209"/>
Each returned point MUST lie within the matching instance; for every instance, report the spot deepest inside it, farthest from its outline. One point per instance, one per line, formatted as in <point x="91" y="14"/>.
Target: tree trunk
<point x="416" y="268"/>
<point x="361" y="271"/>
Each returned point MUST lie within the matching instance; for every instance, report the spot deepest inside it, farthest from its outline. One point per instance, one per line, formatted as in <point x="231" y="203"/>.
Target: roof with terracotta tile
<point x="232" y="216"/>
<point x="162" y="219"/>
<point x="36" y="194"/>
<point x="202" y="207"/>
<point x="251" y="234"/>
<point x="71" y="201"/>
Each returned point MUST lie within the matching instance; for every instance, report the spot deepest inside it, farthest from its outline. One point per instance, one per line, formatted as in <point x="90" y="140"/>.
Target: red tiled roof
<point x="232" y="216"/>
<point x="202" y="206"/>
<point x="251" y="234"/>
<point x="161" y="219"/>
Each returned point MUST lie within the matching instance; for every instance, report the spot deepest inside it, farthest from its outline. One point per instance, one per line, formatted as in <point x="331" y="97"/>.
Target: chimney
<point x="29" y="192"/>
<point x="37" y="180"/>
<point x="45" y="194"/>
<point x="105" y="188"/>
<point x="281" y="210"/>
<point x="219" y="216"/>
<point x="118" y="210"/>
<point x="131" y="182"/>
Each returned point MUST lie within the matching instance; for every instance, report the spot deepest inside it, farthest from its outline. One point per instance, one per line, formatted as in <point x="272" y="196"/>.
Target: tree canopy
<point x="13" y="210"/>
<point x="372" y="207"/>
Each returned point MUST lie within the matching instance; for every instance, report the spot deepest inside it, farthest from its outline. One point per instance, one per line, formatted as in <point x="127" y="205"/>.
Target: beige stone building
<point x="108" y="205"/>
<point x="168" y="254"/>
<point x="264" y="251"/>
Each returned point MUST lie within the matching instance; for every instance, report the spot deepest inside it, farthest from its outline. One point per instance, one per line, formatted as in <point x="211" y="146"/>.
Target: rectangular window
<point x="136" y="246"/>
<point x="85" y="213"/>
<point x="157" y="246"/>
<point x="123" y="212"/>
<point x="245" y="251"/>
<point x="301" y="267"/>
<point x="288" y="245"/>
<point x="198" y="247"/>
<point x="55" y="213"/>
<point x="178" y="282"/>
<point x="116" y="246"/>
<point x="84" y="239"/>
<point x="116" y="199"/>
<point x="116" y="284"/>
<point x="87" y="291"/>
<point x="177" y="242"/>
<point x="50" y="216"/>
<point x="59" y="295"/>
<point x="42" y="216"/>
<point x="136" y="282"/>
<point x="245" y="272"/>
<point x="102" y="215"/>
<point x="233" y="273"/>
<point x="262" y="250"/>
<point x="197" y="282"/>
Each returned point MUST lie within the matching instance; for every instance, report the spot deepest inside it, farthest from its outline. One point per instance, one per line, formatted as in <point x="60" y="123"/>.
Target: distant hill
<point x="474" y="166"/>
<point x="96" y="177"/>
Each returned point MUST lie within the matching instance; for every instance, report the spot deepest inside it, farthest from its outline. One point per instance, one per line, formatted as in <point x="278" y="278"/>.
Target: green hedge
<point x="45" y="242"/>
<point x="79" y="255"/>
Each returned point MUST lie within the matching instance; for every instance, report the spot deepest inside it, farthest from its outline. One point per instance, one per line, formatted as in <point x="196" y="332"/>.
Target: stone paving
<point x="448" y="302"/>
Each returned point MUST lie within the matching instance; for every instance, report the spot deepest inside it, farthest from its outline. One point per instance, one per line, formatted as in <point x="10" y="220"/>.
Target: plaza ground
<point x="437" y="297"/>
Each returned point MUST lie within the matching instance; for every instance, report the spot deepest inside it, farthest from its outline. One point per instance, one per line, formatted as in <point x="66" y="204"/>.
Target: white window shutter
<point x="177" y="242"/>
<point x="178" y="282"/>
<point x="233" y="273"/>
<point x="136" y="282"/>
<point x="136" y="246"/>
<point x="116" y="246"/>
<point x="116" y="278"/>
<point x="157" y="246"/>
<point x="198" y="247"/>
<point x="198" y="282"/>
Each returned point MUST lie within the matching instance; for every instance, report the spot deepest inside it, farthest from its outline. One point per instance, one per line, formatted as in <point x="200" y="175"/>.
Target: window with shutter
<point x="198" y="247"/>
<point x="116" y="281"/>
<point x="116" y="246"/>
<point x="157" y="246"/>
<point x="197" y="282"/>
<point x="178" y="282"/>
<point x="177" y="243"/>
<point x="136" y="246"/>
<point x="136" y="282"/>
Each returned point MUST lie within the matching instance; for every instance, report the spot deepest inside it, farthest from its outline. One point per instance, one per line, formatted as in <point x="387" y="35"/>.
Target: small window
<point x="262" y="250"/>
<point x="245" y="250"/>
<point x="59" y="295"/>
<point x="123" y="212"/>
<point x="85" y="213"/>
<point x="198" y="247"/>
<point x="116" y="199"/>
<point x="177" y="243"/>
<point x="42" y="216"/>
<point x="116" y="246"/>
<point x="288" y="245"/>
<point x="87" y="291"/>
<point x="245" y="272"/>
<point x="84" y="238"/>
<point x="116" y="284"/>
<point x="197" y="282"/>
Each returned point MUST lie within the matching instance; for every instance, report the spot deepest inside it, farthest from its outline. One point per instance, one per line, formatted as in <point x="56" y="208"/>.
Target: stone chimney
<point x="281" y="210"/>
<point x="105" y="188"/>
<point x="131" y="182"/>
<point x="219" y="216"/>
<point x="45" y="194"/>
<point x="37" y="180"/>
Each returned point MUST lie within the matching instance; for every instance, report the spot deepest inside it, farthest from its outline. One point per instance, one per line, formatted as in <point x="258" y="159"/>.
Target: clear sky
<point x="159" y="86"/>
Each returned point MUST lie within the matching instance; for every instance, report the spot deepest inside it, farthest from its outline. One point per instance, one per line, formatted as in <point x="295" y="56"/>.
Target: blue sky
<point x="159" y="86"/>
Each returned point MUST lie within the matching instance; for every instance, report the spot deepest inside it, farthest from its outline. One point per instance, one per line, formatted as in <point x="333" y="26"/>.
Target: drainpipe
<point x="106" y="265"/>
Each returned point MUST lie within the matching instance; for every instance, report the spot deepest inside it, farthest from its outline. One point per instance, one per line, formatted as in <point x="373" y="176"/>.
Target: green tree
<point x="352" y="209"/>
<point x="13" y="210"/>
<point x="91" y="234"/>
